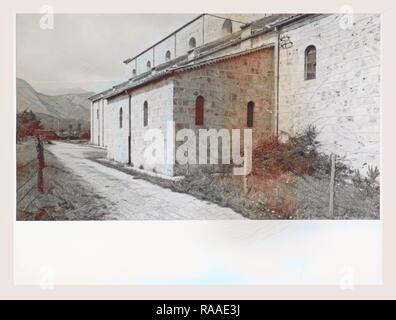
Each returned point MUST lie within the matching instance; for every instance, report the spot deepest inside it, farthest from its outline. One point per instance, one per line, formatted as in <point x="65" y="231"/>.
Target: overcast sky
<point x="85" y="51"/>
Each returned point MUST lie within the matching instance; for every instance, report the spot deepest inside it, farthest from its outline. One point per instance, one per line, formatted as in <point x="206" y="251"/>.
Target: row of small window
<point x="145" y="115"/>
<point x="192" y="43"/>
<point x="199" y="113"/>
<point x="310" y="60"/>
<point x="168" y="55"/>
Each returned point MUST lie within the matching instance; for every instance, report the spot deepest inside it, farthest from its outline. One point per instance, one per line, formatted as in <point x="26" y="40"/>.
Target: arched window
<point x="227" y="26"/>
<point x="148" y="65"/>
<point x="199" y="111"/>
<point x="168" y="55"/>
<point x="250" y="114"/>
<point x="310" y="63"/>
<point x="145" y="114"/>
<point x="192" y="43"/>
<point x="121" y="118"/>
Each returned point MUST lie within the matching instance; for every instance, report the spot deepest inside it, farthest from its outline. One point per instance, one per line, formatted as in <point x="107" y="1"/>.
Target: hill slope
<point x="66" y="109"/>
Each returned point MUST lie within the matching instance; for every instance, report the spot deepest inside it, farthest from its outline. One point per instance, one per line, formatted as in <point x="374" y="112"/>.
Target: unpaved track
<point x="135" y="199"/>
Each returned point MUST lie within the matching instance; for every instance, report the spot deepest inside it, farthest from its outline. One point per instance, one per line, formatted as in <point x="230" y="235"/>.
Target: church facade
<point x="276" y="74"/>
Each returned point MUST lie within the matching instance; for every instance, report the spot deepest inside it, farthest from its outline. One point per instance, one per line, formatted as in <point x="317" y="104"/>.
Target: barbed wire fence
<point x="338" y="191"/>
<point x="351" y="192"/>
<point x="35" y="178"/>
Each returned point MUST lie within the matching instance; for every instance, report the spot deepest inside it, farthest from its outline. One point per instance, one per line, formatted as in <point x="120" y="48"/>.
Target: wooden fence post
<point x="245" y="185"/>
<point x="41" y="165"/>
<point x="332" y="184"/>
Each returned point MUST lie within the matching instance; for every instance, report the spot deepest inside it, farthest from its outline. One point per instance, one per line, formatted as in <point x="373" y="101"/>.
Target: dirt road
<point x="134" y="199"/>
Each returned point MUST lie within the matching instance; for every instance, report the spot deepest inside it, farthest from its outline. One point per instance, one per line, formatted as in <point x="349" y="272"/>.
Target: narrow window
<point x="148" y="65"/>
<point x="98" y="114"/>
<point x="250" y="114"/>
<point x="168" y="55"/>
<point x="145" y="114"/>
<point x="227" y="26"/>
<point x="192" y="43"/>
<point x="199" y="111"/>
<point x="134" y="72"/>
<point x="121" y="118"/>
<point x="310" y="63"/>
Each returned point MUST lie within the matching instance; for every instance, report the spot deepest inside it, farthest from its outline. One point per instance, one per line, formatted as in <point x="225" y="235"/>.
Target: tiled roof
<point x="196" y="64"/>
<point x="199" y="64"/>
<point x="183" y="64"/>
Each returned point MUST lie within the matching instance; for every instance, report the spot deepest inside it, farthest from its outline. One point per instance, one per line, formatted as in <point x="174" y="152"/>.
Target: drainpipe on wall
<point x="91" y="124"/>
<point x="153" y="57"/>
<point x="175" y="45"/>
<point x="277" y="80"/>
<point x="99" y="122"/>
<point x="130" y="131"/>
<point x="103" y="124"/>
<point x="203" y="29"/>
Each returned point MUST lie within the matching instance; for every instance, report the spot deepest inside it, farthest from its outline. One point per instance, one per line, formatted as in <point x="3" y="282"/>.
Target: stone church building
<point x="277" y="74"/>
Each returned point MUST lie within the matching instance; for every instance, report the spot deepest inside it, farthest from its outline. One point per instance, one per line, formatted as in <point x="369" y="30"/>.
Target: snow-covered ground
<point x="135" y="199"/>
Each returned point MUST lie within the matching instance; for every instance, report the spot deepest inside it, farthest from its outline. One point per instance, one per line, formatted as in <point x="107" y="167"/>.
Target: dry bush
<point x="273" y="158"/>
<point x="290" y="180"/>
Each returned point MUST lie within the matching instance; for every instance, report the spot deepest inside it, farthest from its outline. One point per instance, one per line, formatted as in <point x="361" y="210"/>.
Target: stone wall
<point x="97" y="126"/>
<point x="118" y="136"/>
<point x="343" y="102"/>
<point x="162" y="48"/>
<point x="159" y="97"/>
<point x="227" y="87"/>
<point x="141" y="63"/>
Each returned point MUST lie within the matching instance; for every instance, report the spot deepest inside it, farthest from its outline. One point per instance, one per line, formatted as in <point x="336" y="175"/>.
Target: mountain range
<point x="55" y="112"/>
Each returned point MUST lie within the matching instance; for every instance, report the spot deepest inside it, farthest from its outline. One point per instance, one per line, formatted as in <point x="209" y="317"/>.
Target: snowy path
<point x="135" y="199"/>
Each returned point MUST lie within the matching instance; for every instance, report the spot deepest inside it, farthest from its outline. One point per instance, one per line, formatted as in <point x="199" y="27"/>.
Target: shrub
<point x="274" y="158"/>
